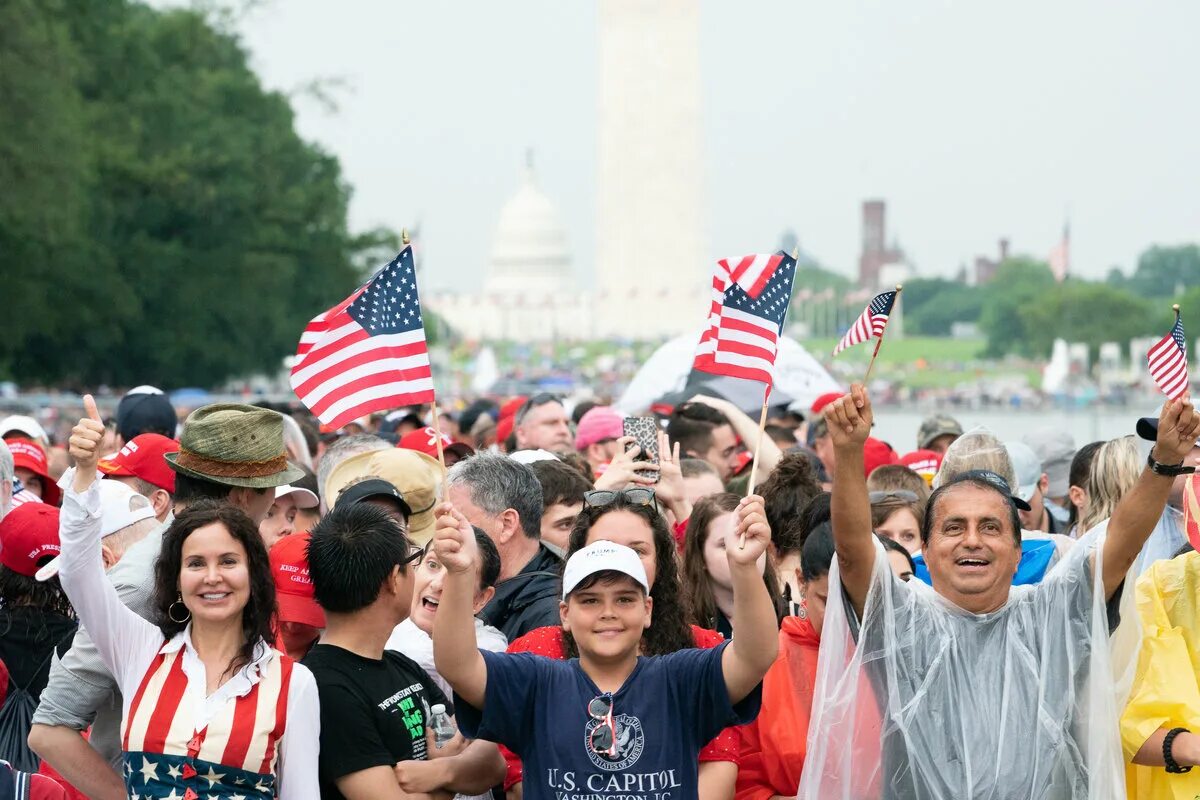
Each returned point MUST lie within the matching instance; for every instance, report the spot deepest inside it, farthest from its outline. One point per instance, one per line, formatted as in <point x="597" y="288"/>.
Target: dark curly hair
<point x="668" y="631"/>
<point x="790" y="488"/>
<point x="258" y="617"/>
<point x="702" y="601"/>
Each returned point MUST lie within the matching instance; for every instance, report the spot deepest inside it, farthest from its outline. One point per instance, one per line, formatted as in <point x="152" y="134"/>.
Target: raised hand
<point x="1178" y="428"/>
<point x="623" y="469"/>
<point x="454" y="540"/>
<point x="850" y="418"/>
<point x="753" y="532"/>
<point x="84" y="444"/>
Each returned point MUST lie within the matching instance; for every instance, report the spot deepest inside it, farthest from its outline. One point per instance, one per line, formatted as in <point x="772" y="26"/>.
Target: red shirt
<point x="549" y="642"/>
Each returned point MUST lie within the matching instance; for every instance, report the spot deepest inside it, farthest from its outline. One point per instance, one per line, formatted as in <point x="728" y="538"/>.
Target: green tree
<point x="1017" y="284"/>
<point x="201" y="232"/>
<point x="1085" y="312"/>
<point x="933" y="305"/>
<point x="1163" y="271"/>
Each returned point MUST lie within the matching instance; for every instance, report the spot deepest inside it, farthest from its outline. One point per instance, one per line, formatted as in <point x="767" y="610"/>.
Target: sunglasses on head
<point x="637" y="496"/>
<point x="532" y="403"/>
<point x="603" y="738"/>
<point x="903" y="495"/>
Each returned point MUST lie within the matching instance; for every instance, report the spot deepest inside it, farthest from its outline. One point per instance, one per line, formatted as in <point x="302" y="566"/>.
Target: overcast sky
<point x="973" y="120"/>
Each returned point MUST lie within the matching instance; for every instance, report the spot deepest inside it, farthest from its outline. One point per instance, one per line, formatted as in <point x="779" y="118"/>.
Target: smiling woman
<point x="207" y="704"/>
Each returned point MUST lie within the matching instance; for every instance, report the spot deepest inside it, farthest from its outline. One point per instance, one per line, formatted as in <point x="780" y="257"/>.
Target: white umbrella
<point x="797" y="374"/>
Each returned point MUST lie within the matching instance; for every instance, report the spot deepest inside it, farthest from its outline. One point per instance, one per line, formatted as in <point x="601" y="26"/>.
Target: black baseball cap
<point x="371" y="488"/>
<point x="995" y="480"/>
<point x="1147" y="428"/>
<point x="145" y="410"/>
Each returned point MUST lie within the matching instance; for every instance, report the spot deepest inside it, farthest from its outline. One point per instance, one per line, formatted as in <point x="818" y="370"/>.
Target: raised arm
<point x="748" y="657"/>
<point x="747" y="430"/>
<point x="849" y="419"/>
<point x="455" y="651"/>
<point x="1135" y="516"/>
<point x="121" y="637"/>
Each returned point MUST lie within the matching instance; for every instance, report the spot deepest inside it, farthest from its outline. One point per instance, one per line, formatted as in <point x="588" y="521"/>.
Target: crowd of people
<point x="532" y="597"/>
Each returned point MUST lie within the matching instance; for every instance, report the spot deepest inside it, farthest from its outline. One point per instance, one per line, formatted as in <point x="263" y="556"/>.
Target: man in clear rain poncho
<point x="972" y="688"/>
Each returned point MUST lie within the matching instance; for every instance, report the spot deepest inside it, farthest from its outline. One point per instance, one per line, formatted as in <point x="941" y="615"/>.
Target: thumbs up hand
<point x="84" y="444"/>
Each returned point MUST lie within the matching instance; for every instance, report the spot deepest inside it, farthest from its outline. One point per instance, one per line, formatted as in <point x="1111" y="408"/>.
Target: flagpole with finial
<point x="437" y="422"/>
<point x="879" y="341"/>
<point x="762" y="416"/>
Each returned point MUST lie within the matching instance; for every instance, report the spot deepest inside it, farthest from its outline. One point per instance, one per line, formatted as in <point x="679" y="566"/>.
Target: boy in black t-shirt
<point x="375" y="704"/>
<point x="610" y="723"/>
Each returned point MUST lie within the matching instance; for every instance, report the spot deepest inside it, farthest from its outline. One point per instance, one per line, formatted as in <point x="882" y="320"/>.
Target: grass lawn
<point x="907" y="351"/>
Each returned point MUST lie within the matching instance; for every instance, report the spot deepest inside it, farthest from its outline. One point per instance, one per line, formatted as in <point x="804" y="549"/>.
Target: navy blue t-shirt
<point x="668" y="709"/>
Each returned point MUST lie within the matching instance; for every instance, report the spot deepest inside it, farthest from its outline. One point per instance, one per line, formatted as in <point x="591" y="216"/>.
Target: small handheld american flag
<point x="750" y="301"/>
<point x="368" y="353"/>
<point x="871" y="323"/>
<point x="1168" y="361"/>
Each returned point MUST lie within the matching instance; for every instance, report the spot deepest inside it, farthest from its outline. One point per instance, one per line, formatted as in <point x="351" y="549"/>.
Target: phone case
<point x="644" y="430"/>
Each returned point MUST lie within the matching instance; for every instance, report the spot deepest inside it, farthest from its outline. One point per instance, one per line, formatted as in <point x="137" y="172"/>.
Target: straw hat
<point x="417" y="476"/>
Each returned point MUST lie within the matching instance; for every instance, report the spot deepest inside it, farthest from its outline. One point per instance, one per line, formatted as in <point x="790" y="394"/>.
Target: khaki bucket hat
<point x="235" y="445"/>
<point x="417" y="477"/>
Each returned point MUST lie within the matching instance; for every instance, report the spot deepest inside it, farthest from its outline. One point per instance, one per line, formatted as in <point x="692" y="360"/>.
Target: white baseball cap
<point x="1027" y="467"/>
<point x="120" y="507"/>
<point x="303" y="498"/>
<point x="603" y="556"/>
<point x="27" y="425"/>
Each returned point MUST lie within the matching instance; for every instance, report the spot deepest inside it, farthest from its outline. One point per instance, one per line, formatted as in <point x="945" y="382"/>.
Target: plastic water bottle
<point x="443" y="728"/>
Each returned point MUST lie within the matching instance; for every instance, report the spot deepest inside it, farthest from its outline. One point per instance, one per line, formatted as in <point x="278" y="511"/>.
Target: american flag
<point x="870" y="324"/>
<point x="367" y="353"/>
<point x="750" y="300"/>
<point x="1168" y="361"/>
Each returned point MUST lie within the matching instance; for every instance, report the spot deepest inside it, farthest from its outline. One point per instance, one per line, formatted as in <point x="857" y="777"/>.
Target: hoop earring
<point x="187" y="615"/>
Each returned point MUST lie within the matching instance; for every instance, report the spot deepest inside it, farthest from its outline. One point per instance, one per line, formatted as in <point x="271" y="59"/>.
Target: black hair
<point x="606" y="577"/>
<point x="189" y="489"/>
<point x="978" y="482"/>
<point x="818" y="510"/>
<point x="668" y="631"/>
<point x="691" y="425"/>
<point x="1081" y="467"/>
<point x="258" y="616"/>
<point x="581" y="409"/>
<point x="781" y="435"/>
<point x="560" y="482"/>
<point x="787" y="492"/>
<point x="351" y="552"/>
<point x="896" y="547"/>
<point x="22" y="591"/>
<point x="818" y="552"/>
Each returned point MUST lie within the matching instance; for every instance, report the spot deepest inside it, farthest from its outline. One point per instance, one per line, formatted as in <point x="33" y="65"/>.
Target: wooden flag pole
<point x="879" y="341"/>
<point x="437" y="420"/>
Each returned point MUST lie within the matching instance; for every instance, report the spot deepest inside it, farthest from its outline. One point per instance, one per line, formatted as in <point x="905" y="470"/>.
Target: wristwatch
<point x="1167" y="469"/>
<point x="1173" y="766"/>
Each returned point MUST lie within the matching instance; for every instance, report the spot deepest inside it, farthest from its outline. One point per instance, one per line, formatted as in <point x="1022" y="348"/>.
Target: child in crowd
<point x="611" y="721"/>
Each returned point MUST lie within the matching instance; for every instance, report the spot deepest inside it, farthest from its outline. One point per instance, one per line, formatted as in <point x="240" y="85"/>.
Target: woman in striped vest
<point x="211" y="709"/>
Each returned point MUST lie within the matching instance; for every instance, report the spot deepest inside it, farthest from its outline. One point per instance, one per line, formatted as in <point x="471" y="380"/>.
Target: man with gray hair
<point x="504" y="500"/>
<point x="338" y="452"/>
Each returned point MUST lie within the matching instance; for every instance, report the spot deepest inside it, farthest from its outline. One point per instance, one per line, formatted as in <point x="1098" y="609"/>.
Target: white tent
<point x="797" y="374"/>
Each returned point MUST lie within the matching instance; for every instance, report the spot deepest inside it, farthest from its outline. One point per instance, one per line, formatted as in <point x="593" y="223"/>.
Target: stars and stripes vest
<point x="235" y="754"/>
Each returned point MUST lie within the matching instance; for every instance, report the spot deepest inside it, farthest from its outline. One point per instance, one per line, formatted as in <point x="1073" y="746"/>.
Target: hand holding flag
<point x="1168" y="361"/>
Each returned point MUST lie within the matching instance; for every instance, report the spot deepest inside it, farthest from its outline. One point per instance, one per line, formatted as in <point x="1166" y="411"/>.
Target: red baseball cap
<point x="819" y="404"/>
<point x="877" y="453"/>
<point x="31" y="456"/>
<point x="293" y="586"/>
<point x="142" y="457"/>
<point x="424" y="440"/>
<point x="925" y="463"/>
<point x="29" y="534"/>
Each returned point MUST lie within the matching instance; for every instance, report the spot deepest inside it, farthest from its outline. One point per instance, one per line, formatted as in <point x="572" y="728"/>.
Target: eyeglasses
<point x="414" y="555"/>
<point x="637" y="496"/>
<point x="903" y="495"/>
<point x="603" y="738"/>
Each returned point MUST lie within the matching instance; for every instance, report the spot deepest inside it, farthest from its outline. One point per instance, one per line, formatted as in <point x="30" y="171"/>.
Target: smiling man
<point x="986" y="689"/>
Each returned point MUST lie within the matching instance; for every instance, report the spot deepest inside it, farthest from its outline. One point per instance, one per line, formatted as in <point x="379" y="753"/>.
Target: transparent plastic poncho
<point x="929" y="701"/>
